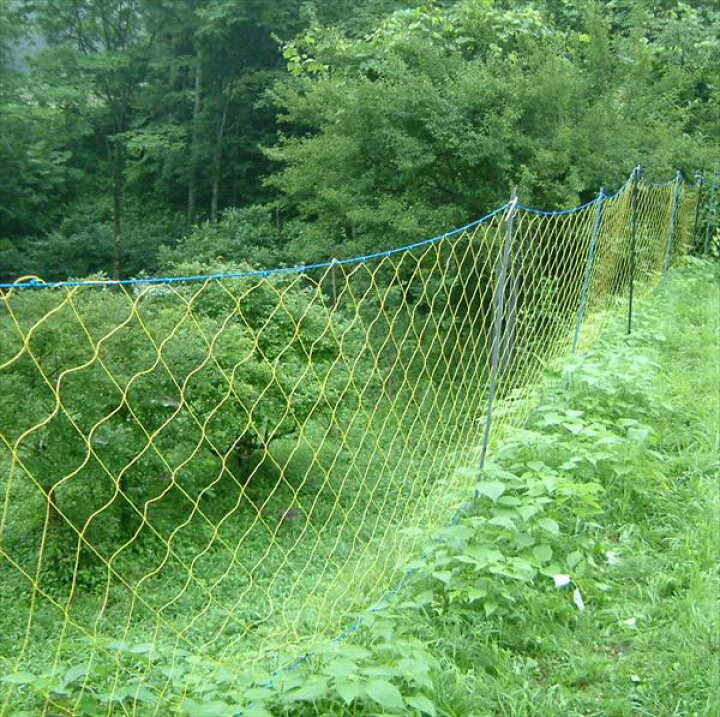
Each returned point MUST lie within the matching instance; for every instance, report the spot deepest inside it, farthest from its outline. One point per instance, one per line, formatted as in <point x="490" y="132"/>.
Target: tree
<point x="105" y="43"/>
<point x="35" y="172"/>
<point x="428" y="121"/>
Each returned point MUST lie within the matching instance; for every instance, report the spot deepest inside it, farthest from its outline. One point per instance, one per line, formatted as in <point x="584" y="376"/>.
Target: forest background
<point x="142" y="136"/>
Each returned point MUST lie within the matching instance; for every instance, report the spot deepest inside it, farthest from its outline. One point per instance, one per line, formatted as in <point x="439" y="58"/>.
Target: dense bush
<point x="161" y="393"/>
<point x="395" y="121"/>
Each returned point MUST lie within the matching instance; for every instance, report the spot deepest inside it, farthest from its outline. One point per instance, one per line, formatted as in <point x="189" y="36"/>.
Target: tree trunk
<point x="115" y="160"/>
<point x="53" y="512"/>
<point x="117" y="212"/>
<point x="217" y="162"/>
<point x="194" y="141"/>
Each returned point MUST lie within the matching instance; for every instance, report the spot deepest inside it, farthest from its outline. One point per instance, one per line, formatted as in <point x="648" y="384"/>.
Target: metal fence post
<point x="503" y="262"/>
<point x="710" y="214"/>
<point x="333" y="271"/>
<point x="512" y="292"/>
<point x="673" y="223"/>
<point x="633" y="242"/>
<point x="588" y="267"/>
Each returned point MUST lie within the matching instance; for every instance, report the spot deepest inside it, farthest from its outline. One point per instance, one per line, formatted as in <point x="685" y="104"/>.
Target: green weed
<point x="582" y="578"/>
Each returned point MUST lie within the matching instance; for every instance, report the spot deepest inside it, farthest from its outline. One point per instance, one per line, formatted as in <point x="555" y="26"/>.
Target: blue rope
<point x="353" y="627"/>
<point x="301" y="268"/>
<point x="625" y="185"/>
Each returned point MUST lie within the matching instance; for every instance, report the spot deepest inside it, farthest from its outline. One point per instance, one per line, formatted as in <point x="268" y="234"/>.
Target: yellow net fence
<point x="224" y="471"/>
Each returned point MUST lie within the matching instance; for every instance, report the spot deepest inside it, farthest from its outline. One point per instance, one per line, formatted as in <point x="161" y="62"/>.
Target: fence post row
<point x="633" y="242"/>
<point x="710" y="214"/>
<point x="588" y="267"/>
<point x="502" y="263"/>
<point x="673" y="223"/>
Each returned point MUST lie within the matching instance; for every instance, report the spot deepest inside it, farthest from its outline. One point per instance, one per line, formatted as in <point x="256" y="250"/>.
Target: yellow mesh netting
<point x="231" y="468"/>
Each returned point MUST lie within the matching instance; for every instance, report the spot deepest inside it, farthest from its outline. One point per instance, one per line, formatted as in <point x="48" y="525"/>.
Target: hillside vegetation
<point x="593" y="590"/>
<point x="582" y="578"/>
<point x="138" y="134"/>
<point x="242" y="392"/>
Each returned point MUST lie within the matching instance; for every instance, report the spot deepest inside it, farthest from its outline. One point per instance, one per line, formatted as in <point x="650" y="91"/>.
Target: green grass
<point x="613" y="481"/>
<point x="648" y="641"/>
<point x="644" y="412"/>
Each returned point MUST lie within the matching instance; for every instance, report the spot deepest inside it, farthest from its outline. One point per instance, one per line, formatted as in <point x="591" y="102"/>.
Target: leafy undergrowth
<point x="582" y="579"/>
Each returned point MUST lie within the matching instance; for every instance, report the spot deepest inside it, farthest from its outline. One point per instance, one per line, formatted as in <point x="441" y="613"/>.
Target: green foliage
<point x="83" y="241"/>
<point x="166" y="425"/>
<point x="581" y="575"/>
<point x="240" y="235"/>
<point x="431" y="118"/>
<point x="133" y="123"/>
<point x="396" y="121"/>
<point x="390" y="670"/>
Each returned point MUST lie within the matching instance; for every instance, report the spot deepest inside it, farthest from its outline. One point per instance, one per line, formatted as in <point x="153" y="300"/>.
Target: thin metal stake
<point x="588" y="268"/>
<point x="673" y="223"/>
<point x="333" y="269"/>
<point x="633" y="242"/>
<point x="499" y="301"/>
<point x="512" y="284"/>
<point x="710" y="214"/>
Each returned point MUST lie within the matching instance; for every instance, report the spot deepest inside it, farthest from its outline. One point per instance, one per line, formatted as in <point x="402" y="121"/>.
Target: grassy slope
<point x="639" y="419"/>
<point x="666" y="580"/>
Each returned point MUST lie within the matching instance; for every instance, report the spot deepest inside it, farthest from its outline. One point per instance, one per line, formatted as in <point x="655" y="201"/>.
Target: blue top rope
<point x="300" y="268"/>
<point x="34" y="284"/>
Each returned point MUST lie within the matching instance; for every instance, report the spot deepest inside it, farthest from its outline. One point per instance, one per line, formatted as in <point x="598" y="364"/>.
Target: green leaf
<point x="550" y="525"/>
<point x="527" y="511"/>
<point x="348" y="690"/>
<point x="476" y="594"/>
<point x="638" y="434"/>
<point x="75" y="673"/>
<point x="207" y="709"/>
<point x="19" y="678"/>
<point x="385" y="694"/>
<point x="422" y="704"/>
<point x="117" y="645"/>
<point x="503" y="522"/>
<point x="484" y="556"/>
<point x="141" y="649"/>
<point x="310" y="692"/>
<point x="353" y="652"/>
<point x="143" y="694"/>
<point x="340" y="668"/>
<point x="492" y="489"/>
<point x="542" y="553"/>
<point x="88" y="706"/>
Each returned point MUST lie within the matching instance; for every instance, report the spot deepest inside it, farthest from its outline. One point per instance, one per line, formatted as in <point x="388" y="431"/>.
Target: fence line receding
<point x="233" y="467"/>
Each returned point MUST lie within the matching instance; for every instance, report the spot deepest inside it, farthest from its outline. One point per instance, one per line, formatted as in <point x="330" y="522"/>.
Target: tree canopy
<point x="129" y="128"/>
